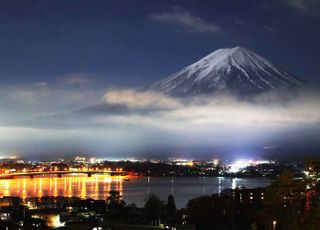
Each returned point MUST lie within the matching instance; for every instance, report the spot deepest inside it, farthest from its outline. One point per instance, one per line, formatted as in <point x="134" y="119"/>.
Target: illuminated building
<point x="92" y="160"/>
<point x="5" y="215"/>
<point x="249" y="196"/>
<point x="80" y="160"/>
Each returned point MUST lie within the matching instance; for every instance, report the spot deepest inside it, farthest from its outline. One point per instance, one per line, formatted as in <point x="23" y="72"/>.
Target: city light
<point x="238" y="165"/>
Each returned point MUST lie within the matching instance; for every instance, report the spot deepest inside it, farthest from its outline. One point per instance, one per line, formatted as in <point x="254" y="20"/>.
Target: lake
<point x="133" y="189"/>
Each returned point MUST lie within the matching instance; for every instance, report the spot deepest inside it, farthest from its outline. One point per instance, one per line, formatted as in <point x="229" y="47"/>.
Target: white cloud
<point x="185" y="19"/>
<point x="266" y="109"/>
<point x="157" y="120"/>
<point x="140" y="99"/>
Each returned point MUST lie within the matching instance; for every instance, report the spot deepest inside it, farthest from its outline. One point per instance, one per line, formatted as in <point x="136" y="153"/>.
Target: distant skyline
<point x="72" y="73"/>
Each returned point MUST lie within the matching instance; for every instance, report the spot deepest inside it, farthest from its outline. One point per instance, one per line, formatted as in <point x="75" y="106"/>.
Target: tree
<point x="171" y="207"/>
<point x="312" y="219"/>
<point x="284" y="202"/>
<point x="154" y="207"/>
<point x="171" y="211"/>
<point x="115" y="203"/>
<point x="208" y="212"/>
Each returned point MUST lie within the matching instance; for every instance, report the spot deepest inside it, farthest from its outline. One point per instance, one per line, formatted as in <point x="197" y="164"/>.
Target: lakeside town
<point x="12" y="166"/>
<point x="293" y="192"/>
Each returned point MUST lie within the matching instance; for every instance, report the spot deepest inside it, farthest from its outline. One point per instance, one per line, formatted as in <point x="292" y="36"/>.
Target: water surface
<point x="135" y="190"/>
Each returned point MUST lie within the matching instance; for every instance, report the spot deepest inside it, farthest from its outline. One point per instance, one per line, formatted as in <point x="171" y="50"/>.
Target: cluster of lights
<point x="56" y="169"/>
<point x="238" y="165"/>
<point x="53" y="221"/>
<point x="184" y="162"/>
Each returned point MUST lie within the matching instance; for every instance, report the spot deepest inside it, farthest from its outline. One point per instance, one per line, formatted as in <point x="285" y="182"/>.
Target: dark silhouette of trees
<point x="154" y="208"/>
<point x="311" y="217"/>
<point x="210" y="212"/>
<point x="115" y="202"/>
<point x="171" y="207"/>
<point x="284" y="203"/>
<point x="171" y="211"/>
<point x="312" y="214"/>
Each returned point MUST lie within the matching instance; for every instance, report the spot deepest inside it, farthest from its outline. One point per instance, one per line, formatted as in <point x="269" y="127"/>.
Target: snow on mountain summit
<point x="236" y="69"/>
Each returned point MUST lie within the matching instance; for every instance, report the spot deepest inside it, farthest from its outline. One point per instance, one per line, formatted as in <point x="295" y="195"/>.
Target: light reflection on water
<point x="135" y="190"/>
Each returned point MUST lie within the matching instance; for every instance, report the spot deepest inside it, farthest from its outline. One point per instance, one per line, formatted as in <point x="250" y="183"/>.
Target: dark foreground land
<point x="288" y="203"/>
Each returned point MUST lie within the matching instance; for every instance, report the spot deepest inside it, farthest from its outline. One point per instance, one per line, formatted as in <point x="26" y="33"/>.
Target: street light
<point x="274" y="224"/>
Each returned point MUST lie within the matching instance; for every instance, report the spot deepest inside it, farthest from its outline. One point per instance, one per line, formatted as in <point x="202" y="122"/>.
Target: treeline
<point x="155" y="211"/>
<point x="161" y="169"/>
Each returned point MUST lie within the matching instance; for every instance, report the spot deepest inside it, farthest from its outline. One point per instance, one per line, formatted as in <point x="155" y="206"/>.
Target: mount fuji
<point x="236" y="70"/>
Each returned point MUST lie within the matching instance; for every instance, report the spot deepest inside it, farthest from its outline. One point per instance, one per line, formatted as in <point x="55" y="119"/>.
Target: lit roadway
<point x="59" y="173"/>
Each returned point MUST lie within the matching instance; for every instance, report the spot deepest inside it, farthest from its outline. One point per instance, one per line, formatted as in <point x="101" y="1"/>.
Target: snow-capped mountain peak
<point x="236" y="69"/>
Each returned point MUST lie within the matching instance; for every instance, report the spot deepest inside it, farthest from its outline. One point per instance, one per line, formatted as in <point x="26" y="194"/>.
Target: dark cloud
<point x="270" y="28"/>
<point x="76" y="79"/>
<point x="310" y="8"/>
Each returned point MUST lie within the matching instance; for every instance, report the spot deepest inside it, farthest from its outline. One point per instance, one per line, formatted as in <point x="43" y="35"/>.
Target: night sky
<point x="62" y="57"/>
<point x="133" y="43"/>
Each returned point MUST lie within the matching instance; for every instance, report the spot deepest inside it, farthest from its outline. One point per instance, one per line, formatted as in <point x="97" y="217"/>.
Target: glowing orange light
<point x="190" y="163"/>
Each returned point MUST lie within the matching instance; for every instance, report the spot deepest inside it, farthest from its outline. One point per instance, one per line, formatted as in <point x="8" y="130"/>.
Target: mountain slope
<point x="237" y="70"/>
